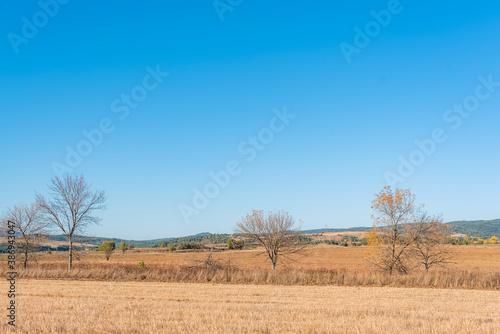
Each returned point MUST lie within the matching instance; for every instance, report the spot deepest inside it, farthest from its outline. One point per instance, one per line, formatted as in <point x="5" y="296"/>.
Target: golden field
<point x="481" y="257"/>
<point x="46" y="306"/>
<point x="473" y="267"/>
<point x="329" y="289"/>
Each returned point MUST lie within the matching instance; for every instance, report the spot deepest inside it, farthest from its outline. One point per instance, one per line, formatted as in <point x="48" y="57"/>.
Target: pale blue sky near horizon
<point x="353" y="120"/>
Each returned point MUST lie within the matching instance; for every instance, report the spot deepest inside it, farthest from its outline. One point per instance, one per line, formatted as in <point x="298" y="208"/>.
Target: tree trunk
<point x="426" y="269"/>
<point x="26" y="257"/>
<point x="274" y="266"/>
<point x="70" y="254"/>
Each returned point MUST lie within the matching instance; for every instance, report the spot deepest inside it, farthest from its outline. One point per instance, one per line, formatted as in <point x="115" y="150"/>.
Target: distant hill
<point x="477" y="228"/>
<point x="96" y="241"/>
<point x="350" y="229"/>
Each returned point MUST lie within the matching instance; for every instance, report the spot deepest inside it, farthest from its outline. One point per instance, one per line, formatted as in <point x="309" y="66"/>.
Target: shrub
<point x="141" y="264"/>
<point x="130" y="247"/>
<point x="172" y="247"/>
<point x="123" y="247"/>
<point x="190" y="245"/>
<point x="230" y="244"/>
<point x="239" y="244"/>
<point x="107" y="247"/>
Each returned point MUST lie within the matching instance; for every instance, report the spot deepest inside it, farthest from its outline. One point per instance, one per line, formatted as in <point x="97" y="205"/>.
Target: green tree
<point x="123" y="247"/>
<point x="107" y="247"/>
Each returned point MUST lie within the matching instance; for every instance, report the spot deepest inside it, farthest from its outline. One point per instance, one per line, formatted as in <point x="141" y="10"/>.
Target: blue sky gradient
<point x="353" y="120"/>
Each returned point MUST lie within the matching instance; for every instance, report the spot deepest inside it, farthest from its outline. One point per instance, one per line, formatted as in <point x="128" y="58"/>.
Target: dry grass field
<point x="327" y="290"/>
<point x="153" y="307"/>
<point x="483" y="257"/>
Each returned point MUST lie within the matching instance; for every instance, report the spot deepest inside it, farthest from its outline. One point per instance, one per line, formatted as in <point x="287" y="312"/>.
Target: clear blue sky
<point x="353" y="119"/>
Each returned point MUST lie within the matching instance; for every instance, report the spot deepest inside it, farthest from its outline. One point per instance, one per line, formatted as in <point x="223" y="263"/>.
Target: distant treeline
<point x="4" y="248"/>
<point x="97" y="241"/>
<point x="200" y="238"/>
<point x="477" y="228"/>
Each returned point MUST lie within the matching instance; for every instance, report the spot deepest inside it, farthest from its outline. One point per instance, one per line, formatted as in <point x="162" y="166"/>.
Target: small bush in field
<point x="190" y="245"/>
<point x="141" y="264"/>
<point x="172" y="247"/>
<point x="107" y="247"/>
<point x="235" y="244"/>
<point x="49" y="252"/>
<point x="239" y="244"/>
<point x="130" y="247"/>
<point x="123" y="247"/>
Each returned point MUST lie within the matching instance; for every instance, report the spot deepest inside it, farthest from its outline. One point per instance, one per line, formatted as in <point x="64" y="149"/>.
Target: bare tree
<point x="72" y="207"/>
<point x="275" y="232"/>
<point x="30" y="226"/>
<point x="398" y="224"/>
<point x="430" y="249"/>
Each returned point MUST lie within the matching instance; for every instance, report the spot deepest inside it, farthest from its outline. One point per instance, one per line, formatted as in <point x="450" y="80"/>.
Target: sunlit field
<point x="482" y="257"/>
<point x="472" y="267"/>
<point x="155" y="307"/>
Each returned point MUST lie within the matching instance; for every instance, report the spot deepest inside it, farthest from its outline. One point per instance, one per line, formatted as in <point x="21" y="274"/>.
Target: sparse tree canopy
<point x="274" y="231"/>
<point x="398" y="224"/>
<point x="430" y="249"/>
<point x="28" y="223"/>
<point x="72" y="207"/>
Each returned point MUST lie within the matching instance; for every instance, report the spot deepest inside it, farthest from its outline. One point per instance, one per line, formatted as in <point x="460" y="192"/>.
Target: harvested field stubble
<point x="148" y="307"/>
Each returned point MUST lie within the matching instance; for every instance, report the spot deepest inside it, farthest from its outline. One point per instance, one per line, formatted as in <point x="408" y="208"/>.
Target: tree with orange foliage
<point x="398" y="224"/>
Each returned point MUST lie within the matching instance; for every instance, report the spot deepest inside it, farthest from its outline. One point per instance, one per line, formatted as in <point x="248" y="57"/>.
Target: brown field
<point x="328" y="290"/>
<point x="483" y="257"/>
<point x="472" y="268"/>
<point x="155" y="307"/>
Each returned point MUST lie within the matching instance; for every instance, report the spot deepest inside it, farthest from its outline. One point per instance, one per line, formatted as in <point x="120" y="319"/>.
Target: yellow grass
<point x="143" y="307"/>
<point x="473" y="268"/>
<point x="484" y="257"/>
